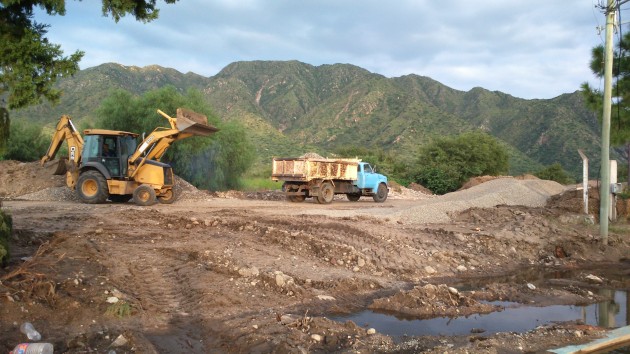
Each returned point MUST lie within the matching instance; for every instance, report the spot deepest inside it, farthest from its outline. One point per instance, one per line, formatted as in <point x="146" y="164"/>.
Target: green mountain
<point x="291" y="108"/>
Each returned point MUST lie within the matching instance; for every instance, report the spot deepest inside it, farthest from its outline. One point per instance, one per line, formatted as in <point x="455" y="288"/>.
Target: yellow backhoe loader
<point x="108" y="164"/>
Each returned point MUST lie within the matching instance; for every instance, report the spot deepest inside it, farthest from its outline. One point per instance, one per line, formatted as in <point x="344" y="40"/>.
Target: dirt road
<point x="210" y="274"/>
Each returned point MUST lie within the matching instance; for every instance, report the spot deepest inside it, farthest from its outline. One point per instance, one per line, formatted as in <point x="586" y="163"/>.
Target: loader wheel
<point x="144" y="195"/>
<point x="168" y="197"/>
<point x="326" y="193"/>
<point x="92" y="187"/>
<point x="354" y="197"/>
<point x="381" y="193"/>
<point x="120" y="198"/>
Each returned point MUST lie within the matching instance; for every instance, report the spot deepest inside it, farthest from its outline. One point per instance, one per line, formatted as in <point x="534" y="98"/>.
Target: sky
<point x="526" y="48"/>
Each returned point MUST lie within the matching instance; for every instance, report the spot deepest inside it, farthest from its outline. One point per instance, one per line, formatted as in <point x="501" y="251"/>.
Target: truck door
<point x="371" y="178"/>
<point x="366" y="176"/>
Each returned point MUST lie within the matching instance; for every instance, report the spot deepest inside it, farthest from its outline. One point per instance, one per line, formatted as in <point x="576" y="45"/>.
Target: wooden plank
<point x="617" y="338"/>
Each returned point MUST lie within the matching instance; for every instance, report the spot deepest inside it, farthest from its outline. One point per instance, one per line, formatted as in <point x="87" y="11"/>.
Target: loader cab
<point x="108" y="149"/>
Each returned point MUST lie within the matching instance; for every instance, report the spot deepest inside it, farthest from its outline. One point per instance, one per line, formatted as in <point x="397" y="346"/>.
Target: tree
<point x="446" y="163"/>
<point x="620" y="112"/>
<point x="30" y="65"/>
<point x="216" y="162"/>
<point x="556" y="173"/>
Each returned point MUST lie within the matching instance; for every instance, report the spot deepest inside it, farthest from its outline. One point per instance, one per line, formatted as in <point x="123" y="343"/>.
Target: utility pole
<point x="604" y="190"/>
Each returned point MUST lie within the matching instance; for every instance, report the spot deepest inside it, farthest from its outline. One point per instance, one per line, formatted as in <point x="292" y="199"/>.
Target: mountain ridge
<point x="290" y="106"/>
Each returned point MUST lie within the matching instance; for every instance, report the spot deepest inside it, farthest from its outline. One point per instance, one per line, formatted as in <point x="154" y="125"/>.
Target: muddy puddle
<point x="512" y="316"/>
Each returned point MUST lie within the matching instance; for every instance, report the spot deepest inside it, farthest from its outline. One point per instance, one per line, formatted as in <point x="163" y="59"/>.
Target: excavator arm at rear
<point x="66" y="131"/>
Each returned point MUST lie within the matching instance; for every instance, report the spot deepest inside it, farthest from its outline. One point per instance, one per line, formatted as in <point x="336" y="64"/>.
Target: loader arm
<point x="65" y="131"/>
<point x="154" y="147"/>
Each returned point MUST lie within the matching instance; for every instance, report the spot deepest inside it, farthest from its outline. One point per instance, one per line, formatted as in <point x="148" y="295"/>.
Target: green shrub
<point x="6" y="226"/>
<point x="448" y="162"/>
<point x="556" y="173"/>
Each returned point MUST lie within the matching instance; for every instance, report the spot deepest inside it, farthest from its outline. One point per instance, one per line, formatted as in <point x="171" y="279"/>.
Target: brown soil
<point x="251" y="272"/>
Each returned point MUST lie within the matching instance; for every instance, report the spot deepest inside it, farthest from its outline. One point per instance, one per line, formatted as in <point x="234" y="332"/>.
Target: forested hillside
<point x="293" y="107"/>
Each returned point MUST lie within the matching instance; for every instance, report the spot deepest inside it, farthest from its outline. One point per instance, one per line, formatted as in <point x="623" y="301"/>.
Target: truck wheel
<point x="353" y="197"/>
<point x="326" y="193"/>
<point x="296" y="198"/>
<point x="168" y="197"/>
<point x="92" y="187"/>
<point x="144" y="195"/>
<point x="120" y="198"/>
<point x="381" y="193"/>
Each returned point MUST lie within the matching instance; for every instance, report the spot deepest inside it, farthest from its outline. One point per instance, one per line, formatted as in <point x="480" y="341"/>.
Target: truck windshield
<point x="368" y="169"/>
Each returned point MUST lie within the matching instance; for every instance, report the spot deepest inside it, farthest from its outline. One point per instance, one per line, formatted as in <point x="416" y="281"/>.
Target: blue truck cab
<point x="369" y="183"/>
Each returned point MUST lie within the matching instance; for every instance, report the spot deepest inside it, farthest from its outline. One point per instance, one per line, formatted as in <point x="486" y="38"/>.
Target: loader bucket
<point x="193" y="123"/>
<point x="61" y="167"/>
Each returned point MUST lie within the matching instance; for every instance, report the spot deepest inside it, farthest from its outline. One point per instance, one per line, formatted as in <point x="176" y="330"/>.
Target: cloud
<point x="526" y="48"/>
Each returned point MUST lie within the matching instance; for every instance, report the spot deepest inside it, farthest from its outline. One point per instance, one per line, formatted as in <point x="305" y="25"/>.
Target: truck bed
<point x="307" y="169"/>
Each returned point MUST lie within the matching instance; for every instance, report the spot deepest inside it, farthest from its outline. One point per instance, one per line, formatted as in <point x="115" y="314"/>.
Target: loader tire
<point x="381" y="193"/>
<point x="92" y="187"/>
<point x="326" y="193"/>
<point x="144" y="195"/>
<point x="168" y="197"/>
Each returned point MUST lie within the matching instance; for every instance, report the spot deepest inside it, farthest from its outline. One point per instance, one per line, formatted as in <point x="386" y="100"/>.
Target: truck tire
<point x="326" y="193"/>
<point x="381" y="193"/>
<point x="168" y="197"/>
<point x="144" y="195"/>
<point x="353" y="197"/>
<point x="92" y="187"/>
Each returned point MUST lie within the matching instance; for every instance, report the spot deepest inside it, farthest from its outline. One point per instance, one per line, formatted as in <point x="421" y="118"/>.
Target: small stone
<point x="430" y="270"/>
<point x="112" y="299"/>
<point x="340" y="262"/>
<point x="316" y="337"/>
<point x="120" y="341"/>
<point x="170" y="226"/>
<point x="356" y="269"/>
<point x="326" y="297"/>
<point x="280" y="280"/>
<point x="371" y="331"/>
<point x="531" y="286"/>
<point x="255" y="326"/>
<point x="453" y="290"/>
<point x="249" y="272"/>
<point x="578" y="334"/>
<point x="361" y="262"/>
<point x="99" y="230"/>
<point x="193" y="219"/>
<point x="594" y="279"/>
<point x="461" y="268"/>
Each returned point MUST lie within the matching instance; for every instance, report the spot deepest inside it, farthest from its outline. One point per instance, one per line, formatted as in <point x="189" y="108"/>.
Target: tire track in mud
<point x="382" y="248"/>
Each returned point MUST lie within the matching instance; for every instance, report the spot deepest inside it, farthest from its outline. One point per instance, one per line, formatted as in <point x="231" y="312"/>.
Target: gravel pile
<point x="507" y="191"/>
<point x="52" y="194"/>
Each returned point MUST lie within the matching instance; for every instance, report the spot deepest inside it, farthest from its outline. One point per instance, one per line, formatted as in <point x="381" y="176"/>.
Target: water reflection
<point x="515" y="318"/>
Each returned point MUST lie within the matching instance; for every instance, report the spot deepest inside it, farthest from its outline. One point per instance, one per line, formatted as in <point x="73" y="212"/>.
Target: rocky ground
<point x="251" y="272"/>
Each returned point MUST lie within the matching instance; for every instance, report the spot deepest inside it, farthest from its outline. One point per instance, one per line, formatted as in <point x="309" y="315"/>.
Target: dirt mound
<point x="572" y="201"/>
<point x="397" y="191"/>
<point x="431" y="301"/>
<point x="311" y="155"/>
<point x="19" y="178"/>
<point x="420" y="188"/>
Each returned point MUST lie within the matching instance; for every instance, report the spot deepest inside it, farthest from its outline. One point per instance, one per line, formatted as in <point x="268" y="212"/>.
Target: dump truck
<point x="321" y="179"/>
<point x="109" y="164"/>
